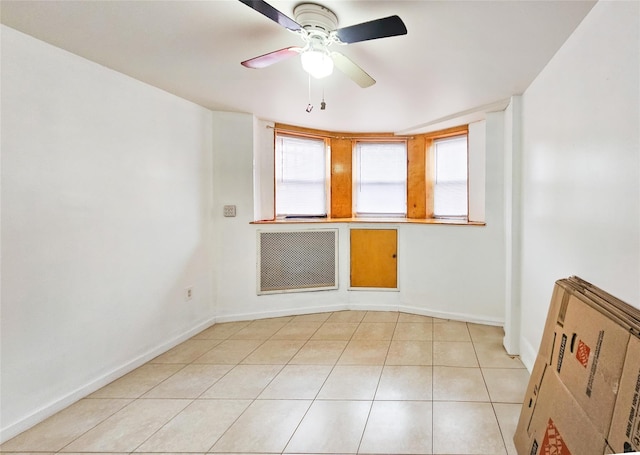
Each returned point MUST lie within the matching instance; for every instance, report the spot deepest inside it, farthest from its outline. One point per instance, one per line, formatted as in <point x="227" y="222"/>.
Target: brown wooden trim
<point x="379" y="138"/>
<point x="284" y="128"/>
<point x="292" y="129"/>
<point x="390" y="221"/>
<point x="281" y="128"/>
<point x="449" y="132"/>
<point x="420" y="170"/>
<point x="274" y="175"/>
<point x="429" y="173"/>
<point x="328" y="176"/>
<point x="341" y="175"/>
<point x="416" y="178"/>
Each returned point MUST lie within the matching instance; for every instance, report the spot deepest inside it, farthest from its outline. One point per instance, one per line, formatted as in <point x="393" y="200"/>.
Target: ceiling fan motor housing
<point x="315" y="18"/>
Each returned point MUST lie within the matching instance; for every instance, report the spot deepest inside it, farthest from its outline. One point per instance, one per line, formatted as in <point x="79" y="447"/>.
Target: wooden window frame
<point x="327" y="190"/>
<point x="433" y="175"/>
<point x="354" y="182"/>
<point x="340" y="180"/>
<point x="429" y="165"/>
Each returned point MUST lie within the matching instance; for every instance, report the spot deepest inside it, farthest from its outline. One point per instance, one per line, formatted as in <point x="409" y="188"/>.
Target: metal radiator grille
<point x="297" y="261"/>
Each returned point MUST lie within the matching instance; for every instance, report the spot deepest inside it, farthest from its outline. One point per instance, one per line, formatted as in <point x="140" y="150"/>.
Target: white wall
<point x="581" y="166"/>
<point x="513" y="222"/>
<point x="477" y="164"/>
<point x="106" y="202"/>
<point x="447" y="271"/>
<point x="112" y="195"/>
<point x="263" y="166"/>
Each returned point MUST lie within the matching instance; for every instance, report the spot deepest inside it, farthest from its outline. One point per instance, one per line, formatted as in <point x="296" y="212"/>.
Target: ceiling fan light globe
<point x="317" y="63"/>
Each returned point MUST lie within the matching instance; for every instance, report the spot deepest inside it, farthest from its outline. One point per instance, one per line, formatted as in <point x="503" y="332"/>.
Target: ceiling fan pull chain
<point x="309" y="105"/>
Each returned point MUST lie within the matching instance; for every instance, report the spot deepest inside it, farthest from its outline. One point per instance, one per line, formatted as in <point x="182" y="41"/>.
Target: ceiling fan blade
<point x="272" y="57"/>
<point x="379" y="28"/>
<point x="353" y="71"/>
<point x="269" y="11"/>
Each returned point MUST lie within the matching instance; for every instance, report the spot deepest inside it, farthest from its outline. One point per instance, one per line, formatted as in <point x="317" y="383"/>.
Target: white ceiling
<point x="457" y="58"/>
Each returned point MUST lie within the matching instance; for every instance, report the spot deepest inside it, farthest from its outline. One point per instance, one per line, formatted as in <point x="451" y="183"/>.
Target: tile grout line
<point x="267" y="385"/>
<point x="193" y="362"/>
<point x="320" y="388"/>
<point x="315" y="398"/>
<point x="303" y="344"/>
<point x="163" y="425"/>
<point x="132" y="400"/>
<point x="433" y="429"/>
<point x="262" y="341"/>
<point x="375" y="392"/>
<point x="484" y="380"/>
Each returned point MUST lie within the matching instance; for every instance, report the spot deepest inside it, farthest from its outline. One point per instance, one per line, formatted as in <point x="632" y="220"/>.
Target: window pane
<point x="300" y="176"/>
<point x="450" y="189"/>
<point x="381" y="178"/>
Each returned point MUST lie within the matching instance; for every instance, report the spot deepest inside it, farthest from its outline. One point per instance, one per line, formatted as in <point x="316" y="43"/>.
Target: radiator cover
<point x="297" y="261"/>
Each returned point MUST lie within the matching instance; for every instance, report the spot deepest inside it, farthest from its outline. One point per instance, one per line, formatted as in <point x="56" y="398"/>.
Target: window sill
<point x="370" y="220"/>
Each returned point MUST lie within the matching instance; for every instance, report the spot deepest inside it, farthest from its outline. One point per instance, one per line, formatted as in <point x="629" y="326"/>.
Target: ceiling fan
<point x="318" y="28"/>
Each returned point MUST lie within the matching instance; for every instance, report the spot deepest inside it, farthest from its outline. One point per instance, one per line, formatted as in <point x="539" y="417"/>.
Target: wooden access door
<point x="374" y="258"/>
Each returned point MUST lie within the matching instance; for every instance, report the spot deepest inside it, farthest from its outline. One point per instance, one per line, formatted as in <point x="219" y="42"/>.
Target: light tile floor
<point x="340" y="383"/>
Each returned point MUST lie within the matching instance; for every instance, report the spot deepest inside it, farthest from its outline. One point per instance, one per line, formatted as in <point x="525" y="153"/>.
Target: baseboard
<point x="528" y="353"/>
<point x="373" y="307"/>
<point x="280" y="313"/>
<point x="50" y="409"/>
<point x="299" y="312"/>
<point x="463" y="317"/>
<point x="360" y="307"/>
<point x="58" y="405"/>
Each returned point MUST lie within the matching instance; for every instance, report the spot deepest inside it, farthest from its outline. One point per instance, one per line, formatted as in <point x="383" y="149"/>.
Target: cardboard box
<point x="610" y="299"/>
<point x="621" y="312"/>
<point x="588" y="356"/>
<point x="555" y="317"/>
<point x="522" y="434"/>
<point x="557" y="424"/>
<point x="584" y="392"/>
<point x="624" y="435"/>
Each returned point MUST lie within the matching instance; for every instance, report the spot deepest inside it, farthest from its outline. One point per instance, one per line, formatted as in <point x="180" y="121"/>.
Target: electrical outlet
<point x="188" y="294"/>
<point x="229" y="210"/>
